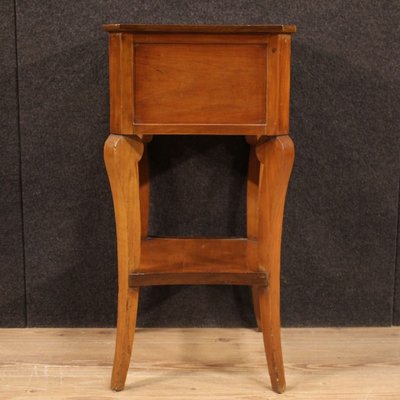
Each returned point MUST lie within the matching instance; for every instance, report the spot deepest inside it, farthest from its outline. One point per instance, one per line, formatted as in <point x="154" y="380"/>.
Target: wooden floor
<point x="334" y="364"/>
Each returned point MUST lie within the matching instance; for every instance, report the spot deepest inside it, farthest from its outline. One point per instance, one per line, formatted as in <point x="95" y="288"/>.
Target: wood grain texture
<point x="121" y="155"/>
<point x="134" y="28"/>
<point x="137" y="279"/>
<point x="199" y="83"/>
<point x="200" y="255"/>
<point x="214" y="84"/>
<point x="199" y="129"/>
<point x="144" y="190"/>
<point x="197" y="261"/>
<point x="277" y="156"/>
<point x="121" y="83"/>
<point x="278" y="84"/>
<point x="322" y="364"/>
<point x="253" y="177"/>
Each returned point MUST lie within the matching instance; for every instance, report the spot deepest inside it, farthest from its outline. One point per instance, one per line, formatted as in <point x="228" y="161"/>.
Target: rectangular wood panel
<point x="199" y="83"/>
<point x="198" y="255"/>
<point x="175" y="261"/>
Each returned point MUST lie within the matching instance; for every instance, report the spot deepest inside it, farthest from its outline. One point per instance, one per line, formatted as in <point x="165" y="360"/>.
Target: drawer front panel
<point x="195" y="83"/>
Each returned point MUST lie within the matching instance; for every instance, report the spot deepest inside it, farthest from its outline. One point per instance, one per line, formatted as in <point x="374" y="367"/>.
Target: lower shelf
<point x="166" y="261"/>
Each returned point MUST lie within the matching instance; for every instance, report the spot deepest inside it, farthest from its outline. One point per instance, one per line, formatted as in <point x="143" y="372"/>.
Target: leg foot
<point x="270" y="321"/>
<point x="127" y="312"/>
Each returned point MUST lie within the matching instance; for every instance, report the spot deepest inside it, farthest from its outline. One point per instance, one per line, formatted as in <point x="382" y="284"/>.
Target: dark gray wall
<point x="396" y="303"/>
<point x="12" y="284"/>
<point x="341" y="218"/>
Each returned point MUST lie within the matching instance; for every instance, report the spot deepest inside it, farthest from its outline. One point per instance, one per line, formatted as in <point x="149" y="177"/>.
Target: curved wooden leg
<point x="253" y="176"/>
<point x="121" y="155"/>
<point x="126" y="325"/>
<point x="144" y="180"/>
<point x="277" y="156"/>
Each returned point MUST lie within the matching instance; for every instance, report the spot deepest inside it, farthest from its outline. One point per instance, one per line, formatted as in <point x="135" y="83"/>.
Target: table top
<point x="200" y="28"/>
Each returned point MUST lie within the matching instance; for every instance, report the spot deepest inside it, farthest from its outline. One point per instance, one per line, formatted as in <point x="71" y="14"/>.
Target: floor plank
<point x="321" y="364"/>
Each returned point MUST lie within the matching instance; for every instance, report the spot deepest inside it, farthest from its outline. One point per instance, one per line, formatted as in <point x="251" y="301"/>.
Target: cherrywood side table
<point x="199" y="80"/>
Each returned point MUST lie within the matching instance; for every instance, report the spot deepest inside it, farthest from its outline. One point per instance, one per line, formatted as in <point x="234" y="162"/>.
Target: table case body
<point x="199" y="80"/>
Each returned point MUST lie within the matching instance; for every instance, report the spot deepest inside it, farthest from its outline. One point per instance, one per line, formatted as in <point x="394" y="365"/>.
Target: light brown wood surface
<point x="223" y="364"/>
<point x="168" y="261"/>
<point x="144" y="191"/>
<point x="253" y="178"/>
<point x="198" y="28"/>
<point x="178" y="261"/>
<point x="276" y="156"/>
<point x="278" y="84"/>
<point x="121" y="82"/>
<point x="199" y="83"/>
<point x="121" y="156"/>
<point x="200" y="80"/>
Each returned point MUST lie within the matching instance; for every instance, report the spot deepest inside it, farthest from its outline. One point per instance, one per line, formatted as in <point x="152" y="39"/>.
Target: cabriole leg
<point x="122" y="154"/>
<point x="276" y="156"/>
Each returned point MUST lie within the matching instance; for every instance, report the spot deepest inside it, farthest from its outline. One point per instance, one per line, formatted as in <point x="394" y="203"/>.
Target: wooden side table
<point x="199" y="80"/>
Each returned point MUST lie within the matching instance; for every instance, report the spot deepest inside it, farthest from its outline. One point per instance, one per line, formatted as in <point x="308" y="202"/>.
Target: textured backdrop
<point x="12" y="283"/>
<point x="340" y="228"/>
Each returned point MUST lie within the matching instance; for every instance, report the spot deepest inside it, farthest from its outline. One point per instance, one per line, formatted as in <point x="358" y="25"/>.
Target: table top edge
<point x="146" y="28"/>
